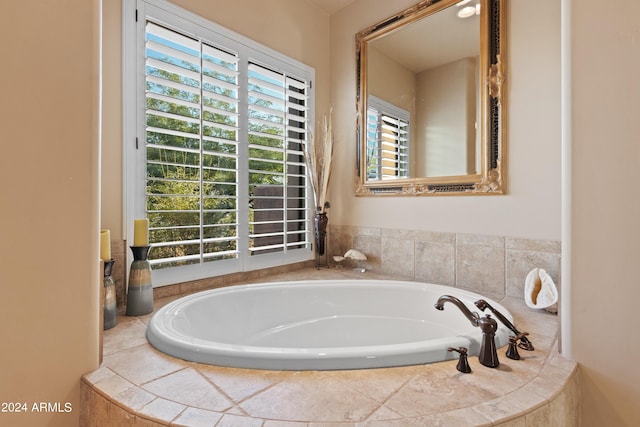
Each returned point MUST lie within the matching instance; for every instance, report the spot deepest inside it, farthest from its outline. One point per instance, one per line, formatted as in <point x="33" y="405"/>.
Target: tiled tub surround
<point x="490" y="265"/>
<point x="139" y="386"/>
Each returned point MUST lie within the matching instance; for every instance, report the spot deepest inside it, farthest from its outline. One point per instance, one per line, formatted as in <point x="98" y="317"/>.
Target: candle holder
<point x="140" y="290"/>
<point x="110" y="309"/>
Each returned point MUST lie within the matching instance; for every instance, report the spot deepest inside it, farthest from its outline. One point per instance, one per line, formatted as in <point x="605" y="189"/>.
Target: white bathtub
<point x="318" y="325"/>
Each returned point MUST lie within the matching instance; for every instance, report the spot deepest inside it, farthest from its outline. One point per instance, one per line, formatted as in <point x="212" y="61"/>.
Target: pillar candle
<point x="105" y="245"/>
<point x="141" y="232"/>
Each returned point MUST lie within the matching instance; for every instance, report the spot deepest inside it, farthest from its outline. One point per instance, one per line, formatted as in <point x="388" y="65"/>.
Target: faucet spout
<point x="472" y="316"/>
<point x="488" y="355"/>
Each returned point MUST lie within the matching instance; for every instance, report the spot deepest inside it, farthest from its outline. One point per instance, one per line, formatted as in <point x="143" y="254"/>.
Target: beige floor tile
<point x="194" y="417"/>
<point x="378" y="384"/>
<point x="142" y="364"/>
<point x="162" y="410"/>
<point x="135" y="398"/>
<point x="436" y="391"/>
<point x="240" y="384"/>
<point x="278" y="423"/>
<point x="189" y="388"/>
<point x="229" y="420"/>
<point x="310" y="396"/>
<point x="462" y="417"/>
<point x="499" y="410"/>
<point x="130" y="332"/>
<point x="113" y="385"/>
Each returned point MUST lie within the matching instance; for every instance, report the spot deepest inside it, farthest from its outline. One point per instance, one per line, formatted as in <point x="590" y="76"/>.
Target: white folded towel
<point x="540" y="291"/>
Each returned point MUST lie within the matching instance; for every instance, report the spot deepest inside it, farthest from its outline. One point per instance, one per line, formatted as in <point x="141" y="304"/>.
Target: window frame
<point x="135" y="15"/>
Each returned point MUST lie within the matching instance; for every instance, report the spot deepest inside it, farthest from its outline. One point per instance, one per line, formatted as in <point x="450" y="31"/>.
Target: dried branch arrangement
<point x="318" y="156"/>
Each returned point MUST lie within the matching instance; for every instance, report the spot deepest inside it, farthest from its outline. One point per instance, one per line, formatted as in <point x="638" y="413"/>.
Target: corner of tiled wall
<point x="492" y="265"/>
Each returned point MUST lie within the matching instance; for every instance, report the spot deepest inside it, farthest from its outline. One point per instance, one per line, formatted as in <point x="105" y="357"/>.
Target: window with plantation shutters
<point x="220" y="173"/>
<point x="387" y="140"/>
<point x="191" y="149"/>
<point x="277" y="111"/>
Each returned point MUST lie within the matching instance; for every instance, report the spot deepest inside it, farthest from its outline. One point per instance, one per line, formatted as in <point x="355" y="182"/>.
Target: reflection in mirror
<point x="387" y="140"/>
<point x="430" y="97"/>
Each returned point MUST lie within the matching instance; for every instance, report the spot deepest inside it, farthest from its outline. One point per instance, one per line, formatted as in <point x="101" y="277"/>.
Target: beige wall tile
<point x="371" y="246"/>
<point x="480" y="268"/>
<point x="144" y="422"/>
<point x="538" y="417"/>
<point x="94" y="408"/>
<point x="520" y="262"/>
<point x="435" y="236"/>
<point x="480" y="240"/>
<point x="398" y="256"/>
<point x="515" y="422"/>
<point x="495" y="265"/>
<point x="534" y="245"/>
<point x="120" y="417"/>
<point x="435" y="262"/>
<point x="563" y="408"/>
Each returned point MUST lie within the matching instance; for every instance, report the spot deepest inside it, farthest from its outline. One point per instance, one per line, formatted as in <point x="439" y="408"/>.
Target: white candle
<point x="105" y="245"/>
<point x="141" y="232"/>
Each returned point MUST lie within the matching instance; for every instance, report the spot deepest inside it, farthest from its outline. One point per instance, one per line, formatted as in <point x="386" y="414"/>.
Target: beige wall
<point x="49" y="218"/>
<point x="531" y="208"/>
<point x="390" y="81"/>
<point x="602" y="230"/>
<point x="112" y="165"/>
<point x="295" y="28"/>
<point x="445" y="119"/>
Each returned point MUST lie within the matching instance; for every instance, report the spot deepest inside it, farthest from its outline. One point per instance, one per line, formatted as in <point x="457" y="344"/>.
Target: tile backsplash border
<point x="495" y="266"/>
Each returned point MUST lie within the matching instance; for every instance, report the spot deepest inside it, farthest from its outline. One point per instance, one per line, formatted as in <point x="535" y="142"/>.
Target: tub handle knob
<point x="512" y="351"/>
<point x="463" y="362"/>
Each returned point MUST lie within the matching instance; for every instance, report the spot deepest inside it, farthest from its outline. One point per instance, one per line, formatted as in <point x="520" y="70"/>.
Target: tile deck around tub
<point x="140" y="386"/>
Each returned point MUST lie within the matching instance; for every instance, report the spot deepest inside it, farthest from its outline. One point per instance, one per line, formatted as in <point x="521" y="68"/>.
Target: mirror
<point x="431" y="99"/>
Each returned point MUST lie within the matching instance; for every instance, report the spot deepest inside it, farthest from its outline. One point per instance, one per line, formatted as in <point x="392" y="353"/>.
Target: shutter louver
<point x="220" y="95"/>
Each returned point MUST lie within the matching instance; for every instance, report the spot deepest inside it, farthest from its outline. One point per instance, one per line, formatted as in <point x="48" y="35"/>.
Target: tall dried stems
<point x="318" y="156"/>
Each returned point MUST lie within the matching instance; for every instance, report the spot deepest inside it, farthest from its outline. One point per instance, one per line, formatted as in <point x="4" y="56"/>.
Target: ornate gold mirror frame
<point x="491" y="118"/>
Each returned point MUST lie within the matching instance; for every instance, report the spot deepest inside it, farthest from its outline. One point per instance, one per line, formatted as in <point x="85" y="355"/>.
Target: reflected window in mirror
<point x="387" y="140"/>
